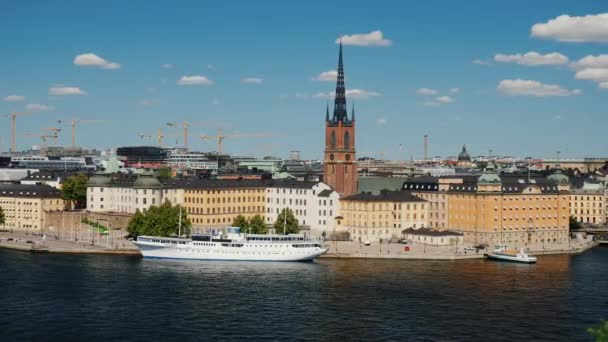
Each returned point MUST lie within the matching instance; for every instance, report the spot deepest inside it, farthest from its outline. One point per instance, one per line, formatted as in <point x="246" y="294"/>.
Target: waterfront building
<point x="383" y="215"/>
<point x="217" y="203"/>
<point x="588" y="203"/>
<point x="513" y="210"/>
<point x="314" y="204"/>
<point x="25" y="205"/>
<point x="433" y="237"/>
<point x="129" y="194"/>
<point x="340" y="166"/>
<point x="433" y="190"/>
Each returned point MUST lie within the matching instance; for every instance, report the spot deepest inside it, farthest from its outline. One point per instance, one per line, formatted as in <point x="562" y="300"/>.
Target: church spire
<point x="352" y="113"/>
<point x="340" y="101"/>
<point x="327" y="111"/>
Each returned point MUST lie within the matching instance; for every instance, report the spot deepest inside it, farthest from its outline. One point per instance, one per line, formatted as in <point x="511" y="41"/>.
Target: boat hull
<point x="529" y="260"/>
<point x="233" y="254"/>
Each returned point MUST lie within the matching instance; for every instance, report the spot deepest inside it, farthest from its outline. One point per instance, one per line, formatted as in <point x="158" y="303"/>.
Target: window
<point x="332" y="143"/>
<point x="347" y="140"/>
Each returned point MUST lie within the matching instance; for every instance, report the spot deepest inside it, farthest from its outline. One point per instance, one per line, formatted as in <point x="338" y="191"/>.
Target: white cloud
<point x="194" y="80"/>
<point x="480" y="62"/>
<point x="444" y="99"/>
<point x="426" y="91"/>
<point x="254" y="80"/>
<point x="533" y="88"/>
<point x="599" y="61"/>
<point x="352" y="93"/>
<point x="431" y="104"/>
<point x="167" y="66"/>
<point x="374" y="38"/>
<point x="604" y="85"/>
<point x="327" y="76"/>
<point x="453" y="91"/>
<point x="14" y="98"/>
<point x="593" y="74"/>
<point x="532" y="58"/>
<point x="381" y="121"/>
<point x="589" y="28"/>
<point x="62" y="91"/>
<point x="92" y="60"/>
<point x="38" y="107"/>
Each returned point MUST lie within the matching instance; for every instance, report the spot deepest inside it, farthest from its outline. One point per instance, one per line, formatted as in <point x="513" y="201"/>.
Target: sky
<point x="519" y="78"/>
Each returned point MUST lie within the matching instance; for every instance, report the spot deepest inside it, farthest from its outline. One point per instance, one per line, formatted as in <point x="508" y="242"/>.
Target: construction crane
<point x="43" y="137"/>
<point x="13" y="117"/>
<point x="55" y="133"/>
<point x="220" y="137"/>
<point x="74" y="122"/>
<point x="185" y="125"/>
<point x="159" y="136"/>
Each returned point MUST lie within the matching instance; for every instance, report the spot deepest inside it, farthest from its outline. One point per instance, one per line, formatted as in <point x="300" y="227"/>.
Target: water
<point x="67" y="297"/>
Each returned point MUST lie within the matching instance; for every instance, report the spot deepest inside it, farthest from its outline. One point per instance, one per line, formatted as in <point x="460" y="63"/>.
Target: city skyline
<point x="519" y="81"/>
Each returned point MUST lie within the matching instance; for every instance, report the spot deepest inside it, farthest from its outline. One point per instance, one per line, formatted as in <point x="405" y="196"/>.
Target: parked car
<point x="404" y="241"/>
<point x="480" y="247"/>
<point x="469" y="248"/>
<point x="367" y="243"/>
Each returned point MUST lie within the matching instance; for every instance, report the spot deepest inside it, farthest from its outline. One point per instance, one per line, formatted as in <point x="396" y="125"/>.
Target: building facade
<point x="510" y="210"/>
<point x="340" y="166"/>
<point x="315" y="205"/>
<point x="25" y="206"/>
<point x="382" y="216"/>
<point x="588" y="204"/>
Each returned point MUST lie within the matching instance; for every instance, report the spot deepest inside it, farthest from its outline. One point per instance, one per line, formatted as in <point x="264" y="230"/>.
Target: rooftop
<point x="385" y="196"/>
<point x="29" y="190"/>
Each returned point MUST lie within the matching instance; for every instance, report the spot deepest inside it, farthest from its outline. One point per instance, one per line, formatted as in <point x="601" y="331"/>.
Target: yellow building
<point x="216" y="203"/>
<point x="25" y="206"/>
<point x="371" y="217"/>
<point x="510" y="210"/>
<point x="434" y="191"/>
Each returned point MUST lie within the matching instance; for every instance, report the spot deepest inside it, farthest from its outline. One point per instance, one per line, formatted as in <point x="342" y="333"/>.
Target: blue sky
<point x="541" y="105"/>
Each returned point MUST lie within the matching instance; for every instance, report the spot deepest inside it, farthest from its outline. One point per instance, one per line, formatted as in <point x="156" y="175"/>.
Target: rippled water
<point x="62" y="297"/>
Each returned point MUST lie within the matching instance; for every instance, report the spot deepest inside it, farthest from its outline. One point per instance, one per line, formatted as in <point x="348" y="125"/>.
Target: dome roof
<point x="146" y="181"/>
<point x="559" y="177"/>
<point x="99" y="179"/>
<point x="464" y="155"/>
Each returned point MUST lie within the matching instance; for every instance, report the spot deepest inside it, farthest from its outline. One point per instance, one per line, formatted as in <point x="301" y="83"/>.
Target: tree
<point x="241" y="222"/>
<point x="136" y="224"/>
<point x="2" y="216"/>
<point x="164" y="173"/>
<point x="160" y="220"/>
<point x="257" y="225"/>
<point x="574" y="224"/>
<point x="600" y="333"/>
<point x="286" y="222"/>
<point x="74" y="191"/>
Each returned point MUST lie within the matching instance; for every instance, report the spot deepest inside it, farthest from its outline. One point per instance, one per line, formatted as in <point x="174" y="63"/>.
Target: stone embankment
<point x="43" y="244"/>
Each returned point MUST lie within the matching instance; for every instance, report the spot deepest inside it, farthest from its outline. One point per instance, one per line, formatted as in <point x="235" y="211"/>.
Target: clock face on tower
<point x="347" y="157"/>
<point x="331" y="156"/>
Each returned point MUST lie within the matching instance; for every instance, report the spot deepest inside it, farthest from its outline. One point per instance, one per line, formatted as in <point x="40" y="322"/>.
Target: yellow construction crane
<point x="185" y="125"/>
<point x="42" y="137"/>
<point x="55" y="133"/>
<point x="74" y="122"/>
<point x="159" y="136"/>
<point x="220" y="137"/>
<point x="13" y="117"/>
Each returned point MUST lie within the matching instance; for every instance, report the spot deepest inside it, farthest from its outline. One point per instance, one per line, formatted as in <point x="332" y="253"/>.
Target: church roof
<point x="464" y="155"/>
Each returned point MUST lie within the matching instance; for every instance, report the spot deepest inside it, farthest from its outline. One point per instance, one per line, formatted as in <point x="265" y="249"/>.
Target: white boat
<point x="232" y="245"/>
<point x="504" y="254"/>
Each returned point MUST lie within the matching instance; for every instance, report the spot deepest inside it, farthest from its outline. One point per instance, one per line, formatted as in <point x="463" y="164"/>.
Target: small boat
<point x="504" y="254"/>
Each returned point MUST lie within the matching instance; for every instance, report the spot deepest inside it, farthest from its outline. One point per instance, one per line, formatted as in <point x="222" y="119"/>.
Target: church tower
<point x="340" y="166"/>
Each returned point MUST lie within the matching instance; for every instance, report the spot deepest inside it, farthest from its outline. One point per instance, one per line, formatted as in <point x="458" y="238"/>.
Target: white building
<point x="128" y="195"/>
<point x="315" y="205"/>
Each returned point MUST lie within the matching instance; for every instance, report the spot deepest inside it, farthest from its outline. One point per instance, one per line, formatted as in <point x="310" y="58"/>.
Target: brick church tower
<point x="340" y="166"/>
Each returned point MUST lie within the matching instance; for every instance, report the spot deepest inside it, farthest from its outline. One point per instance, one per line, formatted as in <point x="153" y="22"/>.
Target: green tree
<point x="2" y="216"/>
<point x="600" y="333"/>
<point x="74" y="191"/>
<point x="286" y="222"/>
<point x="574" y="224"/>
<point x="160" y="220"/>
<point x="241" y="222"/>
<point x="257" y="225"/>
<point x="164" y="173"/>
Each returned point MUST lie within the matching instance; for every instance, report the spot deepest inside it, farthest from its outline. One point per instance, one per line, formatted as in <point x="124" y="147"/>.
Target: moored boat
<point x="504" y="254"/>
<point x="232" y="245"/>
